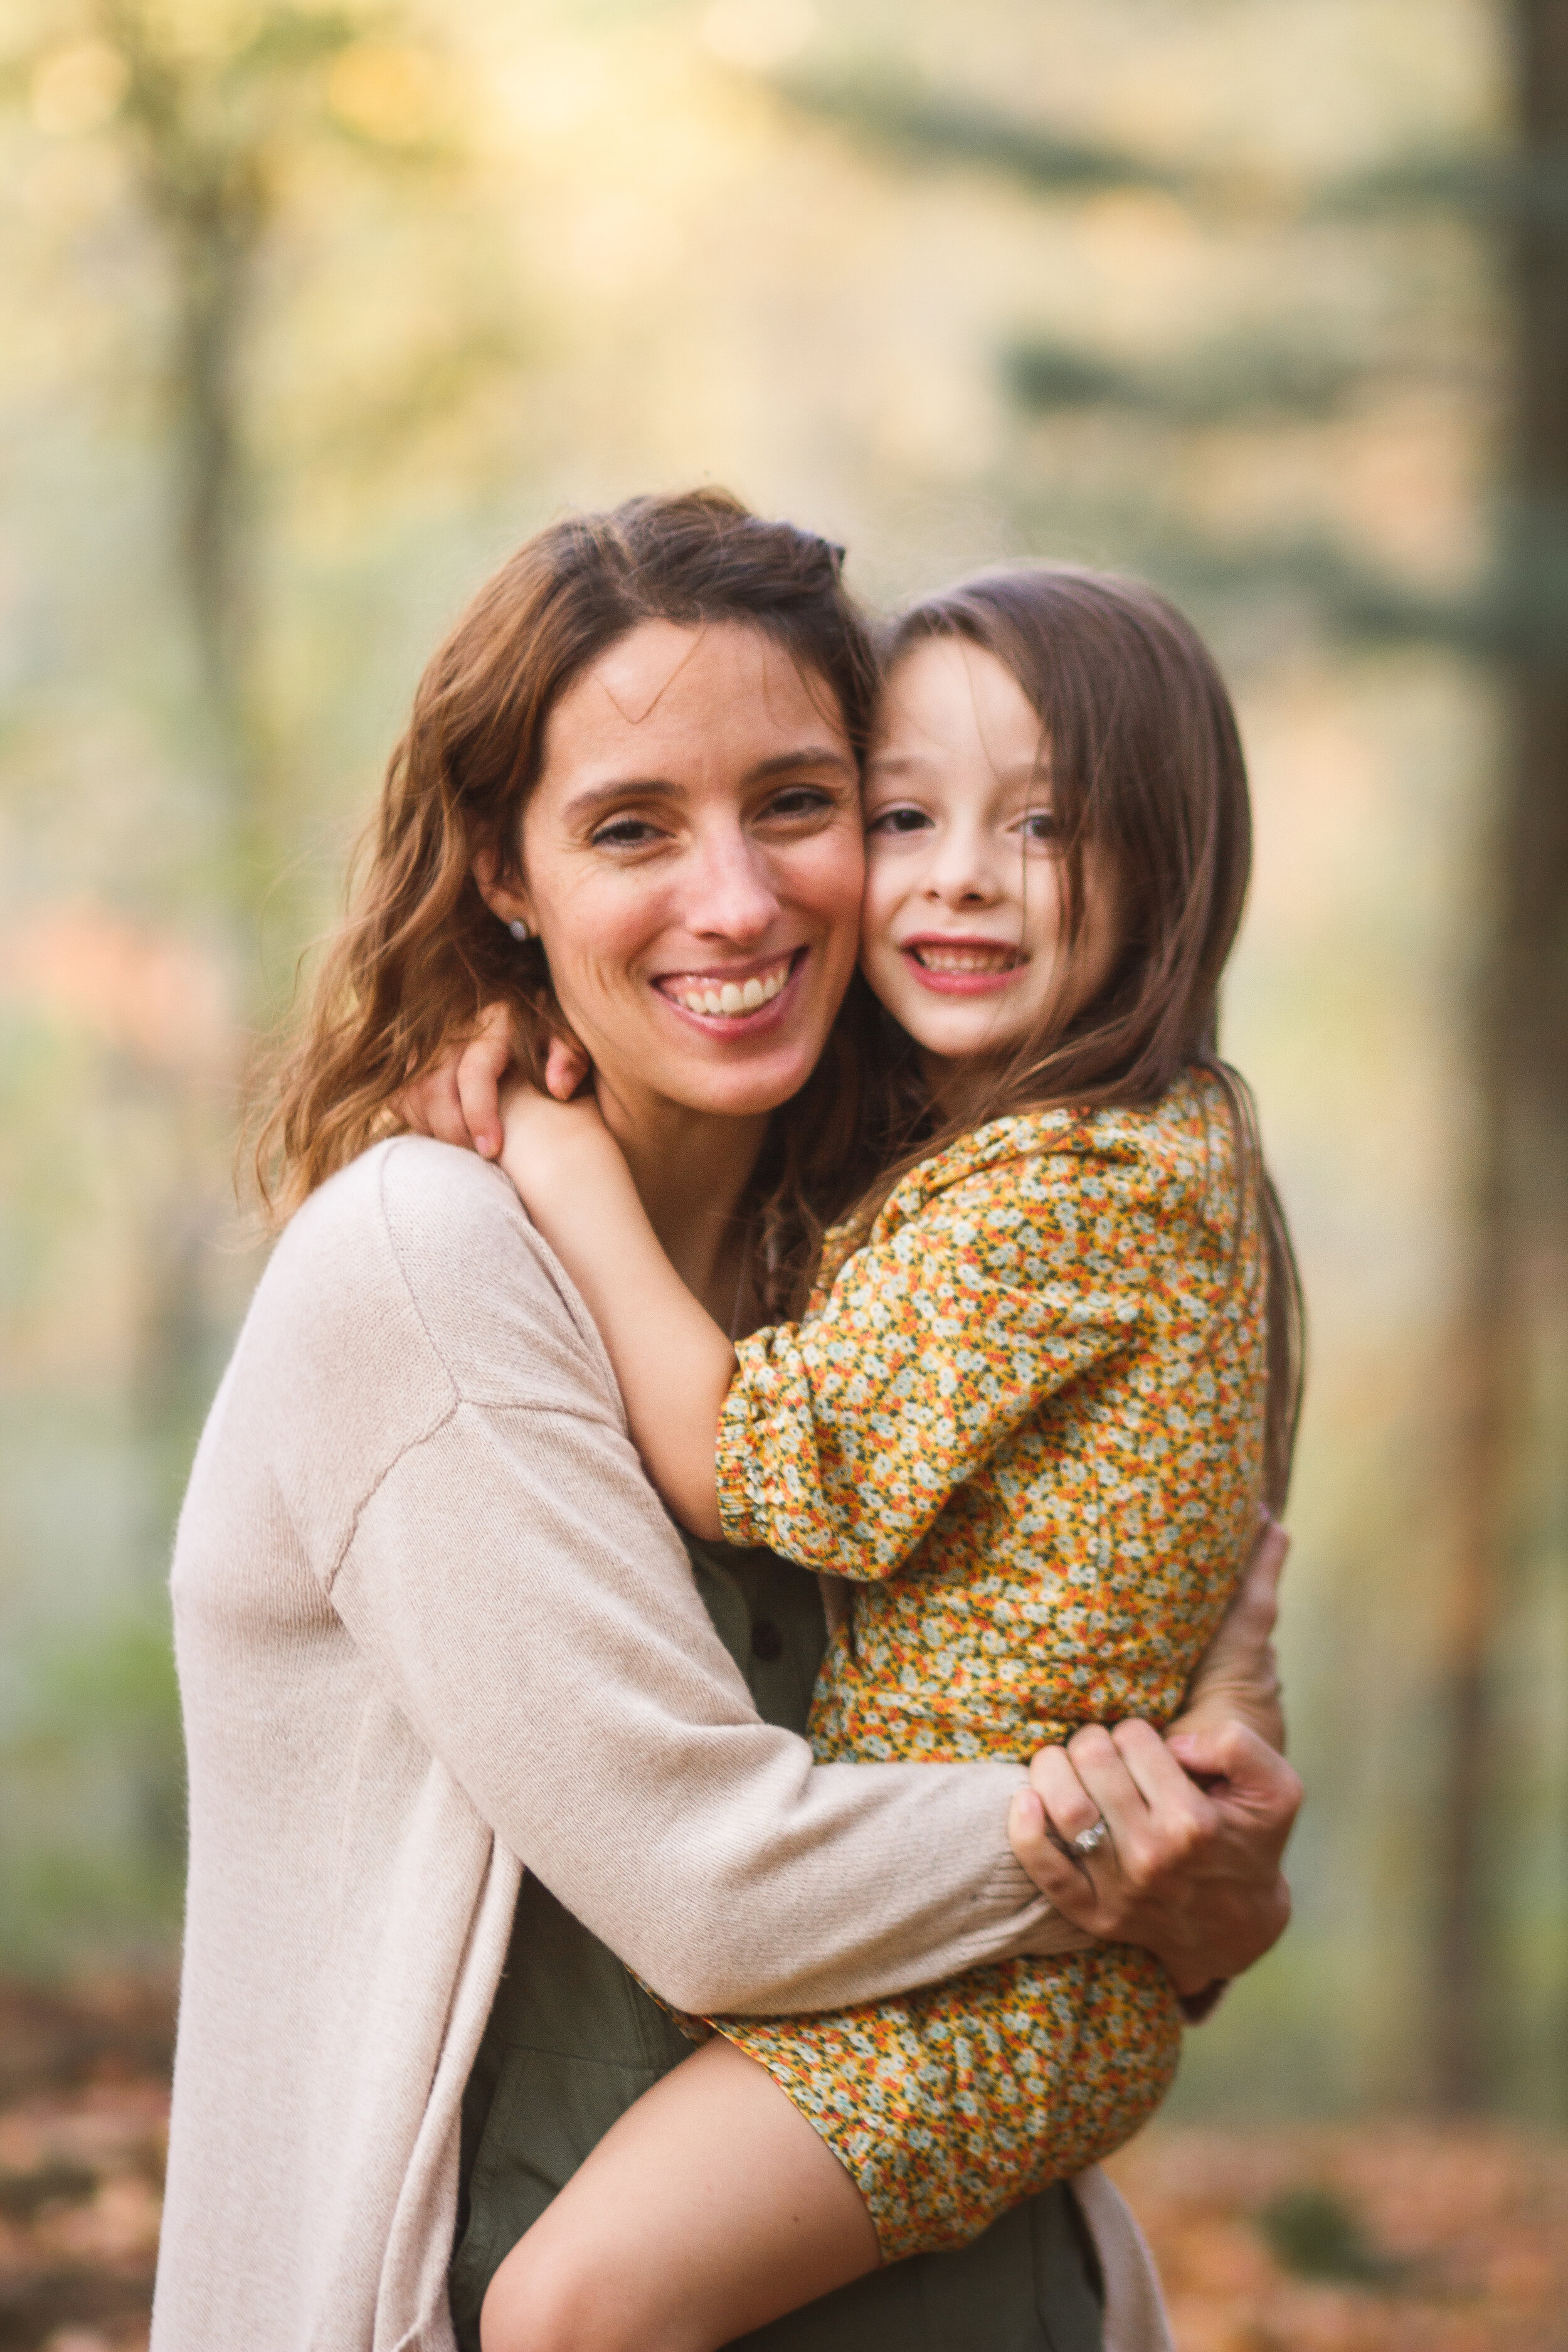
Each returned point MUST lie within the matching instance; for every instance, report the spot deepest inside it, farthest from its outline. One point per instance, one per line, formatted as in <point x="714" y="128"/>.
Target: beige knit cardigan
<point x="434" y="1627"/>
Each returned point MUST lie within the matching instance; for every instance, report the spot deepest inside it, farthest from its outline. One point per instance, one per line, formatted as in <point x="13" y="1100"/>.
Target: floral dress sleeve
<point x="981" y="1291"/>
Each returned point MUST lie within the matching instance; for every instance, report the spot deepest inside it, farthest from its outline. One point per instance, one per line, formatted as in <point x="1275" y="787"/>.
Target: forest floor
<point x="1386" y="2237"/>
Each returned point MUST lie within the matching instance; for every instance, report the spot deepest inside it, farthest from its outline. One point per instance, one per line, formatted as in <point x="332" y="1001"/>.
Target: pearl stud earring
<point x="519" y="930"/>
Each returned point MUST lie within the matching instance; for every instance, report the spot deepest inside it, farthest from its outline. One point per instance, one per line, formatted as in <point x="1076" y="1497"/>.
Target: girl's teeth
<point x="965" y="958"/>
<point x="751" y="995"/>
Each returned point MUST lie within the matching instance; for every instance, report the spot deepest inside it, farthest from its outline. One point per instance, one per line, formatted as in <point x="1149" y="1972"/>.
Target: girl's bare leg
<point x="710" y="2208"/>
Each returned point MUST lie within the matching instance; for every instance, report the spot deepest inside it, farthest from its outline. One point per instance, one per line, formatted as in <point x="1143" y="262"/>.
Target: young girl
<point x="1045" y="1382"/>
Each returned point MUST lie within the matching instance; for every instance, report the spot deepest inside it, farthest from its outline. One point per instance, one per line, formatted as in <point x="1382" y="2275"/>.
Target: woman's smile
<point x="732" y="998"/>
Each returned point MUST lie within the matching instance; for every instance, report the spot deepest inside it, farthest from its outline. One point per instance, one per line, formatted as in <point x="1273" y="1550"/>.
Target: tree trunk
<point x="1513" y="1439"/>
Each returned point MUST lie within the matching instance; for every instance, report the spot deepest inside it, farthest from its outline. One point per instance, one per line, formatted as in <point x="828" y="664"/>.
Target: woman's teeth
<point x="734" y="996"/>
<point x="936" y="959"/>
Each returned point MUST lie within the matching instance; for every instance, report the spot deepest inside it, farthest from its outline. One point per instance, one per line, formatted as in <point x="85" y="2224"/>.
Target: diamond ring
<point x="1090" y="1841"/>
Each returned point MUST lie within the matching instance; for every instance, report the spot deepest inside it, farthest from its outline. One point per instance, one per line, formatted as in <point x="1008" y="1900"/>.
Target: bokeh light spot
<point x="757" y="34"/>
<point x="388" y="93"/>
<point x="78" y="89"/>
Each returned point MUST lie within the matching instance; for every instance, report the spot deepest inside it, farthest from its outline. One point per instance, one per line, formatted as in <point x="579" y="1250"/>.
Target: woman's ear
<point x="508" y="902"/>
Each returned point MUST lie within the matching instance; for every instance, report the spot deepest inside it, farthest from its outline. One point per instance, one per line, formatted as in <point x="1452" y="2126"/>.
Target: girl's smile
<point x="962" y="967"/>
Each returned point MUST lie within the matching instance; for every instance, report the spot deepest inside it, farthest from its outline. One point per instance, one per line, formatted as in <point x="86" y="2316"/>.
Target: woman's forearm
<point x="1237" y="1677"/>
<point x="582" y="1700"/>
<point x="531" y="1614"/>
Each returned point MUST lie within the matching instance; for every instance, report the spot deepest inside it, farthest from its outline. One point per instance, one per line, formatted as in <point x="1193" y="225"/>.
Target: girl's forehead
<point x="945" y="696"/>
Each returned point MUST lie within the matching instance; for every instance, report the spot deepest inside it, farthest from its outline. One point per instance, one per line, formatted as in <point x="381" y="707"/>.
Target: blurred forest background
<point x="312" y="312"/>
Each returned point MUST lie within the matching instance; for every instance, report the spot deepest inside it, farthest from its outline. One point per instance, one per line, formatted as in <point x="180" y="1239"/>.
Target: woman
<point x="433" y="1627"/>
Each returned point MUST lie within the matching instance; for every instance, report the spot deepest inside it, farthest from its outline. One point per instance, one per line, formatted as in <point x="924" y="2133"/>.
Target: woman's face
<point x="692" y="863"/>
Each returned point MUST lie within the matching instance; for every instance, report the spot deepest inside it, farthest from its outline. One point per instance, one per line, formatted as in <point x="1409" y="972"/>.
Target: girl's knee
<point x="551" y="2296"/>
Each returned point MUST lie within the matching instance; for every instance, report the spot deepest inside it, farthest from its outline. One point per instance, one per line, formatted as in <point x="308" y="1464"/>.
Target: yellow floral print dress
<point x="1025" y="1416"/>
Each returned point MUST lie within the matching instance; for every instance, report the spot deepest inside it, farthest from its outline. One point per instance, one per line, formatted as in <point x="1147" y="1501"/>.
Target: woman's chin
<point x="747" y="1093"/>
<point x="721" y="1081"/>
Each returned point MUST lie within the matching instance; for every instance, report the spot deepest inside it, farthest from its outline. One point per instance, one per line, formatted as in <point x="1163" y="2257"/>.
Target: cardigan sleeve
<point x="842" y="1438"/>
<point x="529" y="1610"/>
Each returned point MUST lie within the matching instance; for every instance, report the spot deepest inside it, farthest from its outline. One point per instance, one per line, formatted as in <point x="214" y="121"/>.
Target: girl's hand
<point x="1191" y="1873"/>
<point x="549" y="1142"/>
<point x="458" y="1100"/>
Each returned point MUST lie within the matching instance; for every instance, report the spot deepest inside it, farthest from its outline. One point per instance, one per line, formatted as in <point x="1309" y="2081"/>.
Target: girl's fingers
<point x="484" y="1062"/>
<point x="409" y="1108"/>
<point x="565" y="1068"/>
<point x="443" y="1109"/>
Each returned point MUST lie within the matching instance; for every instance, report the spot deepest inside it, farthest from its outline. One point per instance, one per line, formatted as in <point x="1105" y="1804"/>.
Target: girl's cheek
<point x="878" y="905"/>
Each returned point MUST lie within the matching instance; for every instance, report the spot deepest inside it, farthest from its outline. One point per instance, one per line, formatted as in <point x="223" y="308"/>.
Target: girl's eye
<point x="1040" y="825"/>
<point x="898" y="821"/>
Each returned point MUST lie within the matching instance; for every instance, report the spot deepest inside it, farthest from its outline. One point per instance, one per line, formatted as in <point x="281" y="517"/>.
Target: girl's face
<point x="963" y="928"/>
<point x="692" y="864"/>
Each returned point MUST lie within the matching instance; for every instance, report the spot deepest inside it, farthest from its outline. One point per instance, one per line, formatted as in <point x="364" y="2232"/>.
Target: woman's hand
<point x="458" y="1100"/>
<point x="1191" y="1873"/>
<point x="1238" y="1679"/>
<point x="1194" y="1824"/>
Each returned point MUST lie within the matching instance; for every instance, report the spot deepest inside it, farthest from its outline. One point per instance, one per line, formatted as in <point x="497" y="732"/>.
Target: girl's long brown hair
<point x="420" y="954"/>
<point x="1145" y="762"/>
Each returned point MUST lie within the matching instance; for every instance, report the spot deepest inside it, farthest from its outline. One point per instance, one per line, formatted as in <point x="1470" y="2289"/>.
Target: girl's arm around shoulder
<point x="994" y="1277"/>
<point x="671" y="1360"/>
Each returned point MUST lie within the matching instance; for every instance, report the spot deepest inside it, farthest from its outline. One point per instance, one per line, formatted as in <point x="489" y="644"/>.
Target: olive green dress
<point x="572" y="2040"/>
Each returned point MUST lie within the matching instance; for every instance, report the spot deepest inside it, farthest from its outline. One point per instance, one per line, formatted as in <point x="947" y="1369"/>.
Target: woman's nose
<point x="732" y="892"/>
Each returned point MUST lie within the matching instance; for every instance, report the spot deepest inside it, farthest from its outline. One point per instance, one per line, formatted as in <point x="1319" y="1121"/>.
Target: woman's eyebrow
<point x="595" y="797"/>
<point x="807" y="755"/>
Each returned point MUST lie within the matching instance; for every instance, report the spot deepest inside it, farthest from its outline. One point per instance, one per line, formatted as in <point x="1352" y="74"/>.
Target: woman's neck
<point x="691" y="1169"/>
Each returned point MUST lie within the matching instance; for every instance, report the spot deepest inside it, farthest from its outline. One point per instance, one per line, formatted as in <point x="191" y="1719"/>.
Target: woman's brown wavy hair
<point x="419" y="953"/>
<point x="1146" y="762"/>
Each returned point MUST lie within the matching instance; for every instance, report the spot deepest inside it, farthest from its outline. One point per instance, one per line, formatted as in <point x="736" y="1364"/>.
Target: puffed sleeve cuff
<point x="742" y="1513"/>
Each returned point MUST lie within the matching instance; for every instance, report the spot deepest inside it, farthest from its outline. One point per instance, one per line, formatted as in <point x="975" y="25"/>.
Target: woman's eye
<point x="898" y="820"/>
<point x="626" y="833"/>
<point x="801" y="800"/>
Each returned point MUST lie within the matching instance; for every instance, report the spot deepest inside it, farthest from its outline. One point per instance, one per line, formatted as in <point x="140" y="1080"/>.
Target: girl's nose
<point x="962" y="870"/>
<point x="733" y="893"/>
